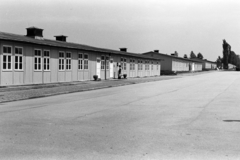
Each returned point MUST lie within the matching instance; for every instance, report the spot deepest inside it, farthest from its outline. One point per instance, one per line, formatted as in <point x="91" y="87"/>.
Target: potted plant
<point x="125" y="76"/>
<point x="95" y="77"/>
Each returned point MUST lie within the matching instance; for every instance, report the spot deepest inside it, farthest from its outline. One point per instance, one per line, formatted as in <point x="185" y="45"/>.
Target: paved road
<point x="194" y="117"/>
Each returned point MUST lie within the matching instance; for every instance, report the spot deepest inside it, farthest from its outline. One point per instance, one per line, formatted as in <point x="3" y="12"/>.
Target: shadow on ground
<point x="231" y="120"/>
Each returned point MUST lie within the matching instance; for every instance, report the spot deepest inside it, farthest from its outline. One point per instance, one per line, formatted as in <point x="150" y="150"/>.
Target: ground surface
<point x="193" y="117"/>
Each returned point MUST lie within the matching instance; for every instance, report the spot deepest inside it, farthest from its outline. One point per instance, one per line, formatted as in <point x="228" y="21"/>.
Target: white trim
<point x="87" y="61"/>
<point x="18" y="55"/>
<point x="61" y="58"/>
<point x="68" y="58"/>
<point x="81" y="59"/>
<point x="36" y="49"/>
<point x="47" y="57"/>
<point x="9" y="54"/>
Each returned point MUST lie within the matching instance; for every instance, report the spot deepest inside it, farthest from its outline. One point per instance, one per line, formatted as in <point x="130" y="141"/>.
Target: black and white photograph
<point x="119" y="80"/>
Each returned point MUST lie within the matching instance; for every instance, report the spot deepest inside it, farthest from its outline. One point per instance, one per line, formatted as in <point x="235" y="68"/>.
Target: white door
<point x="98" y="67"/>
<point x="111" y="68"/>
<point x="193" y="67"/>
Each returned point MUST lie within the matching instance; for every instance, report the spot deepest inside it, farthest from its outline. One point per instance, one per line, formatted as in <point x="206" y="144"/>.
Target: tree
<point x="238" y="61"/>
<point x="192" y="55"/>
<point x="226" y="52"/>
<point x="185" y="56"/>
<point x="233" y="58"/>
<point x="199" y="55"/>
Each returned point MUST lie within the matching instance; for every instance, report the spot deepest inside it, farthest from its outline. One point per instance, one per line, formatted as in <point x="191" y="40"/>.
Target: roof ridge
<point x="70" y="45"/>
<point x="12" y="33"/>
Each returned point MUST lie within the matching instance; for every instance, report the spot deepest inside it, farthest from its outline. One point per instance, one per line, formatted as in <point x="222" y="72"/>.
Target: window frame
<point x="133" y="64"/>
<point x="86" y="60"/>
<point x="38" y="57"/>
<point x="80" y="61"/>
<point x="61" y="61"/>
<point x="124" y="64"/>
<point x="19" y="56"/>
<point x="130" y="62"/>
<point x="7" y="58"/>
<point x="107" y="62"/>
<point x="68" y="64"/>
<point x="102" y="62"/>
<point x="47" y="60"/>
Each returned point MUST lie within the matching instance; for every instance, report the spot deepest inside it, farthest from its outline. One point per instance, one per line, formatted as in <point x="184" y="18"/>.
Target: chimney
<point x="156" y="51"/>
<point x="34" y="32"/>
<point x="123" y="49"/>
<point x="61" y="38"/>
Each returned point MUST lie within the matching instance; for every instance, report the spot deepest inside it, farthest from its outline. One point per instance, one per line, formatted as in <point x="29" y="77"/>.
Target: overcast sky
<point x="139" y="25"/>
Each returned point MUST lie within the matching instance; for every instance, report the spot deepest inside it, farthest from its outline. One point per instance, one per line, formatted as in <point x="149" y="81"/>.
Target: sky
<point x="139" y="25"/>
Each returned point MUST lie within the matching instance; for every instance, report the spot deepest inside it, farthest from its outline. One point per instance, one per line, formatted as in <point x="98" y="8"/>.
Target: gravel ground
<point x="14" y="93"/>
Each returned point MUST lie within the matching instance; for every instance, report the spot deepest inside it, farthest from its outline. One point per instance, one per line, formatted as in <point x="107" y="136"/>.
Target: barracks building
<point x="32" y="59"/>
<point x="175" y="64"/>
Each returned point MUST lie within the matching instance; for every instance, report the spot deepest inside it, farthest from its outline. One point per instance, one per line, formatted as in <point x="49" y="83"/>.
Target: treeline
<point x="194" y="56"/>
<point x="229" y="57"/>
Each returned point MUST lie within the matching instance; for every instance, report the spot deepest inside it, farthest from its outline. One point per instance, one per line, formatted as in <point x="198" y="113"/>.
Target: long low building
<point x="176" y="64"/>
<point x="32" y="59"/>
<point x="207" y="65"/>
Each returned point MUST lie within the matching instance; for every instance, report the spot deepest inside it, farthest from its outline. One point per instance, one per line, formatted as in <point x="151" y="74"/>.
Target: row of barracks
<point x="33" y="59"/>
<point x="176" y="64"/>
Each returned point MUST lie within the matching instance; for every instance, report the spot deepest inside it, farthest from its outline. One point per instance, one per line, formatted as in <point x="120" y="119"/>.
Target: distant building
<point x="33" y="59"/>
<point x="207" y="65"/>
<point x="173" y="63"/>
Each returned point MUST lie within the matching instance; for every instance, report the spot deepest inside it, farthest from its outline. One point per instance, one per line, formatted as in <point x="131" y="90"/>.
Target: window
<point x="37" y="60"/>
<point x="46" y="60"/>
<point x="102" y="62"/>
<point x="152" y="66"/>
<point x="18" y="58"/>
<point x="130" y="64"/>
<point x="146" y="65"/>
<point x="80" y="61"/>
<point x="85" y="61"/>
<point x="107" y="62"/>
<point x="61" y="61"/>
<point x="68" y="61"/>
<point x="7" y="57"/>
<point x="140" y="65"/>
<point x="133" y="64"/>
<point x="125" y="64"/>
<point x="121" y="62"/>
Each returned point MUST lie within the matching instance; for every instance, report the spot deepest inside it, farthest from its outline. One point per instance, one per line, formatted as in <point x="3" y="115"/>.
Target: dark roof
<point x="60" y="36"/>
<point x="69" y="45"/>
<point x="34" y="28"/>
<point x="203" y="60"/>
<point x="162" y="54"/>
